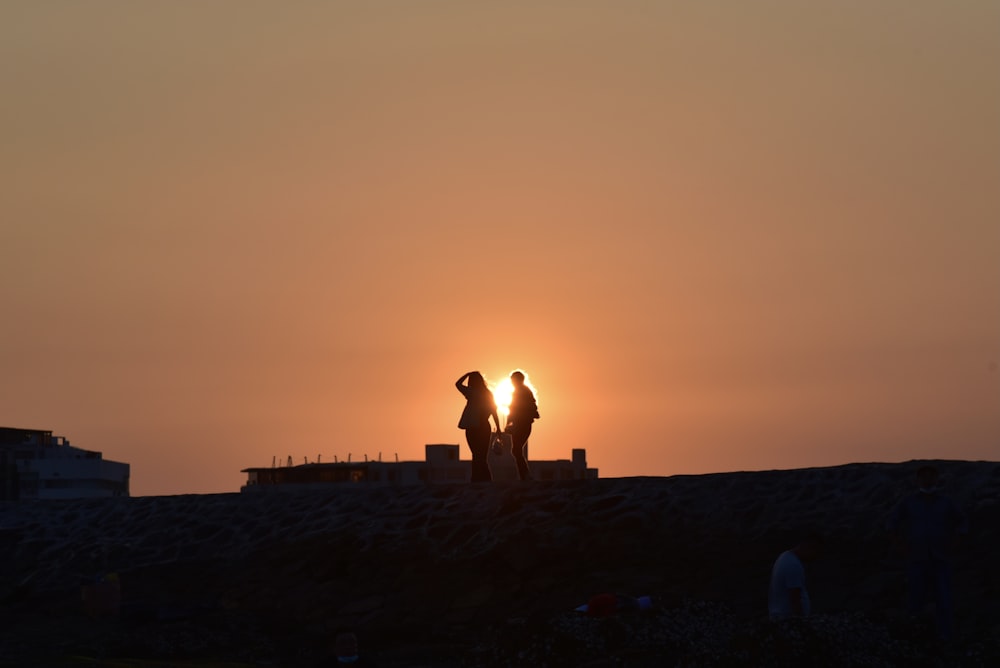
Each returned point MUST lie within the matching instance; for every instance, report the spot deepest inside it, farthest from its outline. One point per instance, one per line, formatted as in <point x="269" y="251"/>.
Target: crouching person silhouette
<point x="927" y="525"/>
<point x="787" y="595"/>
<point x="345" y="645"/>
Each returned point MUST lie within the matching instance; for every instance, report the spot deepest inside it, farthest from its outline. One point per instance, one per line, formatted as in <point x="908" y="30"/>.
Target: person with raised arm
<point x="480" y="406"/>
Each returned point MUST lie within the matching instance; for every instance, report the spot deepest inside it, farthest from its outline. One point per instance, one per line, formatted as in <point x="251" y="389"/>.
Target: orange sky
<point x="718" y="235"/>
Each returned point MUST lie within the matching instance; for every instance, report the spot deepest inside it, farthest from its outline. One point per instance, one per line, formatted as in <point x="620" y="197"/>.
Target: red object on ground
<point x="602" y="605"/>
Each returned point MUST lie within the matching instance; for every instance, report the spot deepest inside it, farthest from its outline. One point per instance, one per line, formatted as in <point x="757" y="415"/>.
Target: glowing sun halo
<point x="503" y="393"/>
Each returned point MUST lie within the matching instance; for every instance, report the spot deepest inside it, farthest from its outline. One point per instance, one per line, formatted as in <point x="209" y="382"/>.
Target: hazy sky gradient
<point x="717" y="235"/>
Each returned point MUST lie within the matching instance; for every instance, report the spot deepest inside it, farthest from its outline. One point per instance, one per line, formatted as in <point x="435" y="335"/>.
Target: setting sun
<point x="503" y="393"/>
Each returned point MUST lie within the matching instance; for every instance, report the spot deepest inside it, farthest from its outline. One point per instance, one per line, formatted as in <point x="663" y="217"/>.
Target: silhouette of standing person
<point x="927" y="524"/>
<point x="523" y="412"/>
<point x="479" y="408"/>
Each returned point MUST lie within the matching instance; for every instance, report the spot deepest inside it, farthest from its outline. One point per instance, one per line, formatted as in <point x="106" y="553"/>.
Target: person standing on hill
<point x="480" y="406"/>
<point x="927" y="525"/>
<point x="523" y="412"/>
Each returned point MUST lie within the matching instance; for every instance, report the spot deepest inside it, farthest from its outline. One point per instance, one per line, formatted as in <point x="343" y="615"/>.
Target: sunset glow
<point x="721" y="236"/>
<point x="502" y="393"/>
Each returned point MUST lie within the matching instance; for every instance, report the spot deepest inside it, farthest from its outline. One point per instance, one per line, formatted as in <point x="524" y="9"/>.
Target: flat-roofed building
<point x="441" y="465"/>
<point x="34" y="464"/>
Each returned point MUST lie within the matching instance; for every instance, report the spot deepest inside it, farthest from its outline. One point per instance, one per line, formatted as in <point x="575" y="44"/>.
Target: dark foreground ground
<point x="488" y="575"/>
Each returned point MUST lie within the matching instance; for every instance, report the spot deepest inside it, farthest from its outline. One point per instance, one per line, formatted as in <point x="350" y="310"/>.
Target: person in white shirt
<point x="788" y="596"/>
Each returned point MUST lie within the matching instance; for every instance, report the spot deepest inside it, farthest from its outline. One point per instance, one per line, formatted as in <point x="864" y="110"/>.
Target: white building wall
<point x="72" y="478"/>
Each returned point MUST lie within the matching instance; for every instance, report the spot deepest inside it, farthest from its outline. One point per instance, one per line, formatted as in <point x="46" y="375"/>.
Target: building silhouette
<point x="441" y="465"/>
<point x="34" y="464"/>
